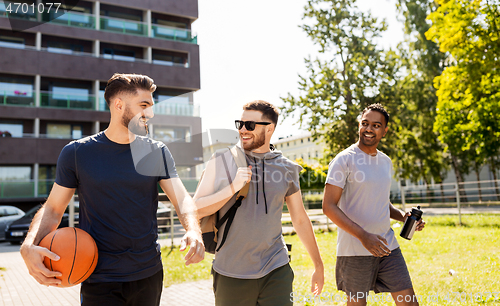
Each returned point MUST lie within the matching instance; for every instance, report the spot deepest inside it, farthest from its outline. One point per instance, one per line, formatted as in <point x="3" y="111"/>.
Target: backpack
<point x="210" y="224"/>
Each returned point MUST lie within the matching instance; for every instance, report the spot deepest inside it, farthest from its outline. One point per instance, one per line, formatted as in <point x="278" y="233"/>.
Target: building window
<point x="68" y="93"/>
<point x="63" y="48"/>
<point x="11" y="129"/>
<point x="14" y="89"/>
<point x="170" y="134"/>
<point x="62" y="130"/>
<point x="11" y="42"/>
<point x="121" y="55"/>
<point x="169" y="60"/>
<point x="15" y="173"/>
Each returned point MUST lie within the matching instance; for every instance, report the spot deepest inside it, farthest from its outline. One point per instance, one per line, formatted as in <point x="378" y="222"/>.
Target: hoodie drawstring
<point x="257" y="183"/>
<point x="263" y="183"/>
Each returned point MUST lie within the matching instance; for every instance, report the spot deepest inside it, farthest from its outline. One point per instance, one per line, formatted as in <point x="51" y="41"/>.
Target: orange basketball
<point x="77" y="251"/>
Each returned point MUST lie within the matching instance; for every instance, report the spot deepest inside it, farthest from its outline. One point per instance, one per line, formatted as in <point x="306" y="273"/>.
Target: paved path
<point x="18" y="288"/>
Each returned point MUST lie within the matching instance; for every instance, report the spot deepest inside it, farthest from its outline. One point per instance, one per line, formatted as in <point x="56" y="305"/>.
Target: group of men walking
<point x="116" y="173"/>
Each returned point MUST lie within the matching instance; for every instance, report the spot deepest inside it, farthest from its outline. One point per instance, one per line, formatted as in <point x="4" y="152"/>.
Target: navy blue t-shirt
<point x="117" y="189"/>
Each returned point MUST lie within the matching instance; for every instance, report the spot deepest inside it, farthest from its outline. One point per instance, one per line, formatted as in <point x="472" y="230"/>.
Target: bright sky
<point x="254" y="50"/>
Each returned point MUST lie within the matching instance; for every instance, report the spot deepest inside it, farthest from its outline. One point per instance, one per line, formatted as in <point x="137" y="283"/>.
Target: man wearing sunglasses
<point x="251" y="268"/>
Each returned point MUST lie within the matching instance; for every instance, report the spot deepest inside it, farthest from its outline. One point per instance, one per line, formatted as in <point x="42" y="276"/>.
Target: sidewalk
<point x="18" y="288"/>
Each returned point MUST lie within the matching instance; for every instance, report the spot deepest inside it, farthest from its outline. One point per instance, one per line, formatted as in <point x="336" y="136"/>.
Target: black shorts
<point x="357" y="275"/>
<point x="143" y="292"/>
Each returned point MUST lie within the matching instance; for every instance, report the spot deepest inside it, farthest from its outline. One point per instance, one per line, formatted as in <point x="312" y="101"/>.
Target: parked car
<point x="8" y="214"/>
<point x="17" y="230"/>
<point x="163" y="216"/>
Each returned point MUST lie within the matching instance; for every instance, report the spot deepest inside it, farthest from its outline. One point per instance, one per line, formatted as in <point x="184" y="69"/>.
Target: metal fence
<point x="477" y="193"/>
<point x="474" y="193"/>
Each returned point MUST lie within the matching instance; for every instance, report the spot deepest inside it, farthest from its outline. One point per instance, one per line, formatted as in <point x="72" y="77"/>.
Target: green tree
<point x="350" y="73"/>
<point x="312" y="176"/>
<point x="468" y="116"/>
<point x="420" y="154"/>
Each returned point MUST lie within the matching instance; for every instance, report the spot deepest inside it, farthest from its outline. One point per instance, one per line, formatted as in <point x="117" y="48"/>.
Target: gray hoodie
<point x="254" y="245"/>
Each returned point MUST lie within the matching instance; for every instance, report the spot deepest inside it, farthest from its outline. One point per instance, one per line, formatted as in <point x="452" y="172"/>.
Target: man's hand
<point x="33" y="257"/>
<point x="317" y="281"/>
<point x="196" y="247"/>
<point x="420" y="223"/>
<point x="243" y="176"/>
<point x="375" y="244"/>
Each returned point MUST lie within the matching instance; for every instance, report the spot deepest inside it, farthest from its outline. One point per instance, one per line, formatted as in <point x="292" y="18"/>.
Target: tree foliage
<point x="351" y="72"/>
<point x="312" y="176"/>
<point x="420" y="153"/>
<point x="468" y="115"/>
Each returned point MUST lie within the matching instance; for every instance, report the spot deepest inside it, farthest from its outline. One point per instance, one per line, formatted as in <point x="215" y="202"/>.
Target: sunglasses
<point x="249" y="125"/>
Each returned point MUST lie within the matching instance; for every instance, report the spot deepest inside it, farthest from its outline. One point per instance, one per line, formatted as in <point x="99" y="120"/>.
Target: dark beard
<point x="132" y="124"/>
<point x="258" y="141"/>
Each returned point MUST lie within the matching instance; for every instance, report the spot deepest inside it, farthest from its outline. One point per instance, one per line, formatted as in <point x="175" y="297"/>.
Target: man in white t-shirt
<point x="356" y="198"/>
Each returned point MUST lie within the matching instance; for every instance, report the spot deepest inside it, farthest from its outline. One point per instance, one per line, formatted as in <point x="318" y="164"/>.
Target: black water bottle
<point x="411" y="223"/>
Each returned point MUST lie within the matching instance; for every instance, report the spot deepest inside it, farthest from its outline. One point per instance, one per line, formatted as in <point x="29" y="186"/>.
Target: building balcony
<point x="25" y="189"/>
<point x="74" y="65"/>
<point x="116" y="25"/>
<point x="123" y="26"/>
<point x="89" y="102"/>
<point x="18" y="98"/>
<point x="72" y="19"/>
<point x="176" y="109"/>
<point x="70" y="101"/>
<point x="171" y="33"/>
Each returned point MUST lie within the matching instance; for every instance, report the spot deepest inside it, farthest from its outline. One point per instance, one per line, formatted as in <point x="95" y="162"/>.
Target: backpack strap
<point x="239" y="158"/>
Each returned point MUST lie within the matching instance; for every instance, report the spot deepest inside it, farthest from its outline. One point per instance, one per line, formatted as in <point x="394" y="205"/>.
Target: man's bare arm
<point x="45" y="221"/>
<point x="375" y="244"/>
<point x="188" y="216"/>
<point x="399" y="215"/>
<point x="303" y="227"/>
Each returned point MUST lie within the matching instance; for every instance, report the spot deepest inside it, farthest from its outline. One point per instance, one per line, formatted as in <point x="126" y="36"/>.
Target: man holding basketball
<point x="356" y="198"/>
<point x="116" y="173"/>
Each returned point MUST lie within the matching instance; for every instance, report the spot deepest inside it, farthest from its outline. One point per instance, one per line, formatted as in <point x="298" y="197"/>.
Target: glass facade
<point x="11" y="129"/>
<point x="16" y="91"/>
<point x="64" y="130"/>
<point x="168" y="134"/>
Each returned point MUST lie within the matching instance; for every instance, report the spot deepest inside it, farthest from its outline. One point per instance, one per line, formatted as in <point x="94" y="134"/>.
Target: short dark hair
<point x="127" y="84"/>
<point x="268" y="110"/>
<point x="378" y="108"/>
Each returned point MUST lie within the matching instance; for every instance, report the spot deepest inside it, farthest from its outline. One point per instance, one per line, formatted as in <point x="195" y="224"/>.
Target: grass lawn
<point x="471" y="250"/>
<point x="175" y="270"/>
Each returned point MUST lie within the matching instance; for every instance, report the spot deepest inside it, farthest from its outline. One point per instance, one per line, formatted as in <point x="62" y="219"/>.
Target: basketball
<point x="77" y="251"/>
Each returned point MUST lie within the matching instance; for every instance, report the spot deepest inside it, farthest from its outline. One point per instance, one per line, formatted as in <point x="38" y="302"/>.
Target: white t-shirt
<point x="366" y="183"/>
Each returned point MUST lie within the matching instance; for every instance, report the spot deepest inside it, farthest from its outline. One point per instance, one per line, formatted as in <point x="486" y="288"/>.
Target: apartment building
<point x="301" y="146"/>
<point x="53" y="73"/>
